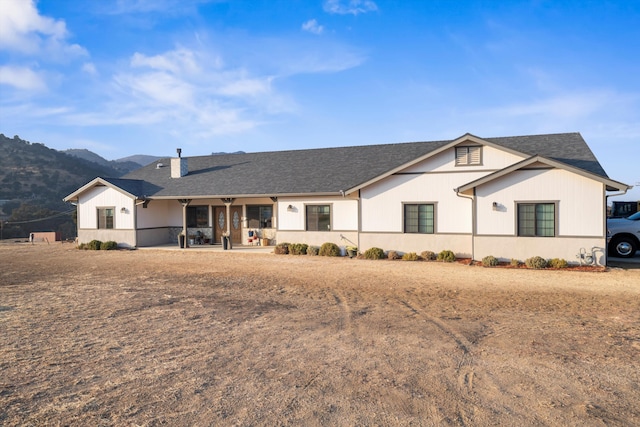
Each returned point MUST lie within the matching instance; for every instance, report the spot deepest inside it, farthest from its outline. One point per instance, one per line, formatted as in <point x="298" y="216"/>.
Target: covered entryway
<point x="220" y="223"/>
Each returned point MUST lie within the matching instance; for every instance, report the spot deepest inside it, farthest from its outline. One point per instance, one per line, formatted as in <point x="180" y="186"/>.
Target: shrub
<point x="374" y="253"/>
<point x="489" y="261"/>
<point x="329" y="249"/>
<point x="108" y="246"/>
<point x="393" y="255"/>
<point x="558" y="263"/>
<point x="298" y="248"/>
<point x="428" y="255"/>
<point x="82" y="246"/>
<point x="536" y="262"/>
<point x="312" y="250"/>
<point x="410" y="256"/>
<point x="515" y="262"/>
<point x="446" y="256"/>
<point x="94" y="245"/>
<point x="281" y="249"/>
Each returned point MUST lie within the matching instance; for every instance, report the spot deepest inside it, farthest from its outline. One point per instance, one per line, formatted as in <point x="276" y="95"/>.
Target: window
<point x="537" y="219"/>
<point x="471" y="155"/>
<point x="197" y="216"/>
<point x="105" y="217"/>
<point x="419" y="218"/>
<point x="318" y="217"/>
<point x="259" y="216"/>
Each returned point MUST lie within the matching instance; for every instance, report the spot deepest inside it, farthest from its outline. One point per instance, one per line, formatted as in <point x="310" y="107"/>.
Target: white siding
<point x="382" y="202"/>
<point x="580" y="209"/>
<point x="492" y="159"/>
<point x="344" y="212"/>
<point x="99" y="197"/>
<point x="160" y="213"/>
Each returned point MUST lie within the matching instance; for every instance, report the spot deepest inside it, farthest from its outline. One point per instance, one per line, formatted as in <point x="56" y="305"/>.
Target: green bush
<point x="374" y="253"/>
<point x="536" y="262"/>
<point x="393" y="255"/>
<point x="558" y="263"/>
<point x="281" y="249"/>
<point x="298" y="248"/>
<point x="428" y="255"/>
<point x="82" y="246"/>
<point x="446" y="256"/>
<point x="410" y="256"/>
<point x="515" y="262"/>
<point x="489" y="261"/>
<point x="94" y="245"/>
<point x="313" y="250"/>
<point x="108" y="246"/>
<point x="329" y="249"/>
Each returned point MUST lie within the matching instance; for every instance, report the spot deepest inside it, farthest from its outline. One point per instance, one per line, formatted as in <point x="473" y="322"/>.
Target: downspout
<point x="473" y="220"/>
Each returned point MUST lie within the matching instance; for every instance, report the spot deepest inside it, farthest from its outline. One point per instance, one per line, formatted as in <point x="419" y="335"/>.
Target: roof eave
<point x="73" y="197"/>
<point x="610" y="184"/>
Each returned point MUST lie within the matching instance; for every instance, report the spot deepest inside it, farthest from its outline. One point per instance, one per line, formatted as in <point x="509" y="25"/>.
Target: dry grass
<point x="192" y="338"/>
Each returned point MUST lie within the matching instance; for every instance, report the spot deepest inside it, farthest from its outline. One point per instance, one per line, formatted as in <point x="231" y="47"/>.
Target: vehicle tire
<point x="623" y="247"/>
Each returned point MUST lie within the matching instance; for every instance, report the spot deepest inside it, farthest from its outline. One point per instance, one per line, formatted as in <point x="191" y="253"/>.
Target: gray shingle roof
<point x="326" y="170"/>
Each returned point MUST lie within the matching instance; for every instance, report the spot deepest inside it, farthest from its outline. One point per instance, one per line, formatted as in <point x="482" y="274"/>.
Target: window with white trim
<point x="106" y="218"/>
<point x="419" y="218"/>
<point x="469" y="155"/>
<point x="537" y="219"/>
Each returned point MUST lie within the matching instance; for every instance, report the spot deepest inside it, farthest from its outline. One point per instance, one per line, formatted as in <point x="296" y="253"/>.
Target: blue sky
<point x="123" y="77"/>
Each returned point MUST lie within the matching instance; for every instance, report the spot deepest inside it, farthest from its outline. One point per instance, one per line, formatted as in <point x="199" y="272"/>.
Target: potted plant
<point x="352" y="251"/>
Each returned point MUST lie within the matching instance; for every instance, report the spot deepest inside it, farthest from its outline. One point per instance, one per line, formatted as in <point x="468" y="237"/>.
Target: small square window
<point x="318" y="217"/>
<point x="197" y="216"/>
<point x="537" y="219"/>
<point x="419" y="218"/>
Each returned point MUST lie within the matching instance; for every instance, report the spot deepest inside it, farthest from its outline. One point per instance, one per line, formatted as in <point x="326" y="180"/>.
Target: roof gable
<point x="128" y="187"/>
<point x="539" y="161"/>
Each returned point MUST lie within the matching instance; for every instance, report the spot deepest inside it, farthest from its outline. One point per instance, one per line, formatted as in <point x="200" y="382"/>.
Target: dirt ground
<point x="186" y="338"/>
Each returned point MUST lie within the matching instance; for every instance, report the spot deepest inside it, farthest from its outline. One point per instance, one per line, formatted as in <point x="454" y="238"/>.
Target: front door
<point x="220" y="223"/>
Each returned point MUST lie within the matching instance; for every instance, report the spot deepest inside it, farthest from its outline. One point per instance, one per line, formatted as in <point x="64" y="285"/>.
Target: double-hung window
<point x="537" y="219"/>
<point x="105" y="218"/>
<point x="419" y="218"/>
<point x="197" y="216"/>
<point x="469" y="155"/>
<point x="318" y="217"/>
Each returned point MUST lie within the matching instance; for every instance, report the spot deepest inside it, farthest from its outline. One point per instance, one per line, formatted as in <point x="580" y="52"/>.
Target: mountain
<point x="140" y="159"/>
<point x="31" y="171"/>
<point x="124" y="166"/>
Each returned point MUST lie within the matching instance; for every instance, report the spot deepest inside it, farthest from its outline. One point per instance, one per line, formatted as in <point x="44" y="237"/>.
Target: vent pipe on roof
<point x="179" y="167"/>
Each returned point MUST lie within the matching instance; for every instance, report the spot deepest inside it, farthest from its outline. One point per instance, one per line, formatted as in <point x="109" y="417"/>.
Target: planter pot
<point x="264" y="241"/>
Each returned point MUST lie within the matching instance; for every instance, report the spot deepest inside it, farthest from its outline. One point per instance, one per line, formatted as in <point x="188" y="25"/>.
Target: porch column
<point x="227" y="203"/>
<point x="185" y="203"/>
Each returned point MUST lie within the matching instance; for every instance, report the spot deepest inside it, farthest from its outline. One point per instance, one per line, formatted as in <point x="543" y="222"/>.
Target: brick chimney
<point x="179" y="167"/>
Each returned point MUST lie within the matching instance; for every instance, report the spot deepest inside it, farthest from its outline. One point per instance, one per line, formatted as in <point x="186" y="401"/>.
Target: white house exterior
<point x="512" y="197"/>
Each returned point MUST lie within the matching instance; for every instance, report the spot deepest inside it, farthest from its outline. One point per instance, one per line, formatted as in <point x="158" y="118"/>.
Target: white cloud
<point x="349" y="7"/>
<point x="21" y="78"/>
<point x="175" y="61"/>
<point x="24" y="30"/>
<point x="89" y="68"/>
<point x="312" y="26"/>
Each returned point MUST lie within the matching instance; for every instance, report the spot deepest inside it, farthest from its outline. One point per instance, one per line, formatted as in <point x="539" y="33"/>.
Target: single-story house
<point x="510" y="197"/>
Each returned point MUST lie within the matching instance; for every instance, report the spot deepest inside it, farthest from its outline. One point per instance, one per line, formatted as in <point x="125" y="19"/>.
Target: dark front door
<point x="220" y="223"/>
<point x="236" y="225"/>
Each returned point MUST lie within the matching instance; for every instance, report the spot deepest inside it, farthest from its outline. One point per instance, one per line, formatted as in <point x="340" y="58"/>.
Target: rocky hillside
<point x="33" y="172"/>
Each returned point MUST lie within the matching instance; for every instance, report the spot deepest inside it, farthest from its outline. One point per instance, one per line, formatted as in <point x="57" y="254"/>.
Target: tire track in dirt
<point x="468" y="374"/>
